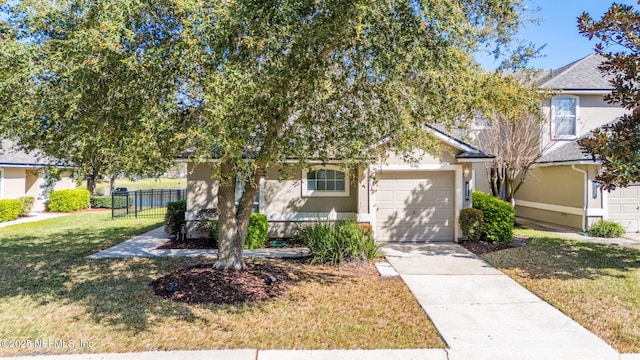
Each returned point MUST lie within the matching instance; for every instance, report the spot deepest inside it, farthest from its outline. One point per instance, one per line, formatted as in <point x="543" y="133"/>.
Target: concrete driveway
<point x="483" y="314"/>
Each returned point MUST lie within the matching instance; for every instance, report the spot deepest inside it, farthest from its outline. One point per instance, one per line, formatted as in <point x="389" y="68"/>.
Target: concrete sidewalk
<point x="483" y="314"/>
<point x="146" y="245"/>
<point x="31" y="218"/>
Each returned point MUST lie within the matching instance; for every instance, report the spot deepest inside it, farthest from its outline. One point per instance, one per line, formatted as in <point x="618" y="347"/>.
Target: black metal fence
<point x="144" y="203"/>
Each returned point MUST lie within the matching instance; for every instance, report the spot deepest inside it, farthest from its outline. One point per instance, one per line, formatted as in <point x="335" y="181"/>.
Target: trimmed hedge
<point x="606" y="229"/>
<point x="174" y="218"/>
<point x="257" y="231"/>
<point x="10" y="209"/>
<point x="104" y="202"/>
<point x="68" y="200"/>
<point x="498" y="217"/>
<point x="27" y="204"/>
<point x="471" y="223"/>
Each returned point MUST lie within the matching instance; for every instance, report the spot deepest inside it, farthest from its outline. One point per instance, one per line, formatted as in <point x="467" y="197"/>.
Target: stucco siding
<point x="556" y="185"/>
<point x="13" y="184"/>
<point x="65" y="182"/>
<point x="285" y="197"/>
<point x="551" y="217"/>
<point x="445" y="157"/>
<point x="593" y="112"/>
<point x="201" y="187"/>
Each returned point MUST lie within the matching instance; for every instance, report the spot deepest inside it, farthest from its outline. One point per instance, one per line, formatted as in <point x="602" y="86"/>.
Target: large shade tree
<point x="617" y="145"/>
<point x="87" y="85"/>
<point x="254" y="84"/>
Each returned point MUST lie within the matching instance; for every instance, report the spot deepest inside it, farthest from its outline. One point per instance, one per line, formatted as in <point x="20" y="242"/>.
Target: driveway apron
<point x="483" y="314"/>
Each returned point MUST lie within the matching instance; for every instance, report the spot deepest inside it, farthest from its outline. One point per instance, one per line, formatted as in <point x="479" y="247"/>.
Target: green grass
<point x="48" y="290"/>
<point x="596" y="285"/>
<point x="102" y="187"/>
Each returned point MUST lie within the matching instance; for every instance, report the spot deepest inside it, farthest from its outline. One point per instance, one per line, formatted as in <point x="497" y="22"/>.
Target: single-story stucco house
<point x="402" y="202"/>
<point x="28" y="174"/>
<point x="561" y="188"/>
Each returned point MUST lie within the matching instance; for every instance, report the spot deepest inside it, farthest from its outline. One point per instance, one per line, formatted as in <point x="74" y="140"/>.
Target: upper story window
<point x="328" y="181"/>
<point x="564" y="117"/>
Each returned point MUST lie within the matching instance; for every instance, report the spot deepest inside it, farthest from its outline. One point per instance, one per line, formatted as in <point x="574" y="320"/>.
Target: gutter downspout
<point x="585" y="200"/>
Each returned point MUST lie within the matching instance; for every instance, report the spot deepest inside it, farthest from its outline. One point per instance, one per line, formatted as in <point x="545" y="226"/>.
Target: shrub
<point x="104" y="202"/>
<point x="27" y="204"/>
<point x="10" y="209"/>
<point x="345" y="241"/>
<point x="471" y="223"/>
<point x="257" y="232"/>
<point x="606" y="229"/>
<point x="174" y="218"/>
<point x="68" y="200"/>
<point x="498" y="217"/>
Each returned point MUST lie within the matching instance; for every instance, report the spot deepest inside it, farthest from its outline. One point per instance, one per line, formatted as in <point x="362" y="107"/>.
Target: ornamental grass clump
<point x="339" y="243"/>
<point x="606" y="229"/>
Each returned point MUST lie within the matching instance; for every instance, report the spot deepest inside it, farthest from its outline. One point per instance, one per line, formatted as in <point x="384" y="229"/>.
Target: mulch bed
<point x="482" y="247"/>
<point x="202" y="284"/>
<point x="260" y="281"/>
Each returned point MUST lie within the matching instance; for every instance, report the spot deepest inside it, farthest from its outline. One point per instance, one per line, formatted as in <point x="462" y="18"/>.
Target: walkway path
<point x="31" y="218"/>
<point x="146" y="245"/>
<point x="630" y="240"/>
<point x="483" y="314"/>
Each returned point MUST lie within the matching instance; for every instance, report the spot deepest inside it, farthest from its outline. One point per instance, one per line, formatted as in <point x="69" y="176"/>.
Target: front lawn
<point x="52" y="298"/>
<point x="596" y="285"/>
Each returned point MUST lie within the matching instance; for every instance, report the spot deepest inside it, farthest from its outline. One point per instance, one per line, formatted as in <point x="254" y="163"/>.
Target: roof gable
<point x="10" y="156"/>
<point x="582" y="74"/>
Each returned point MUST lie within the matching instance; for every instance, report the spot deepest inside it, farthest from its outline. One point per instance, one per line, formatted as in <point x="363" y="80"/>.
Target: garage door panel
<point x="415" y="206"/>
<point x="624" y="207"/>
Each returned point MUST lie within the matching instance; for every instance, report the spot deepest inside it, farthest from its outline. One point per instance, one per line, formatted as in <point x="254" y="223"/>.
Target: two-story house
<point x="561" y="188"/>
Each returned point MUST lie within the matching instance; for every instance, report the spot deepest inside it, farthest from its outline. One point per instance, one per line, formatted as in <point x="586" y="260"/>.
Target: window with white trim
<point x="327" y="181"/>
<point x="564" y="117"/>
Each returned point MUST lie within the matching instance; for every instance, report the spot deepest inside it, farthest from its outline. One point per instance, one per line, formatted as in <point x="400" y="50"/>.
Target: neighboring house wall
<point x="561" y="203"/>
<point x="18" y="182"/>
<point x="13" y="183"/>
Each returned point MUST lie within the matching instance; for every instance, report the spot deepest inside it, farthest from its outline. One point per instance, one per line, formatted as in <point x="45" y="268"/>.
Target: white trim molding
<point x="550" y="207"/>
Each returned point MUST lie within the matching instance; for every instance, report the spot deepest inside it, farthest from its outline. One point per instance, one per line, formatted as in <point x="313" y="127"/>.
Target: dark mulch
<point x="482" y="247"/>
<point x="203" y="284"/>
<point x="206" y="244"/>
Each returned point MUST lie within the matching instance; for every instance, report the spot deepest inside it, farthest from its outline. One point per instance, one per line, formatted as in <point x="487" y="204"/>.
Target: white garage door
<point x="624" y="207"/>
<point x="415" y="206"/>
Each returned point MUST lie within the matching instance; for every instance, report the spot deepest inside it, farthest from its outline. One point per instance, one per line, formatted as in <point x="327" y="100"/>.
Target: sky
<point x="558" y="30"/>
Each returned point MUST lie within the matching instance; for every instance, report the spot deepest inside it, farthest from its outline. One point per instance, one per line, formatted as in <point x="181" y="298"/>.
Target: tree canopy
<point x="254" y="83"/>
<point x="617" y="145"/>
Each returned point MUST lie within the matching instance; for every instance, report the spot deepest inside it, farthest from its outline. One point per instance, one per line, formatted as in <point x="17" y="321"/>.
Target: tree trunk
<point x="112" y="183"/>
<point x="91" y="182"/>
<point x="230" y="244"/>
